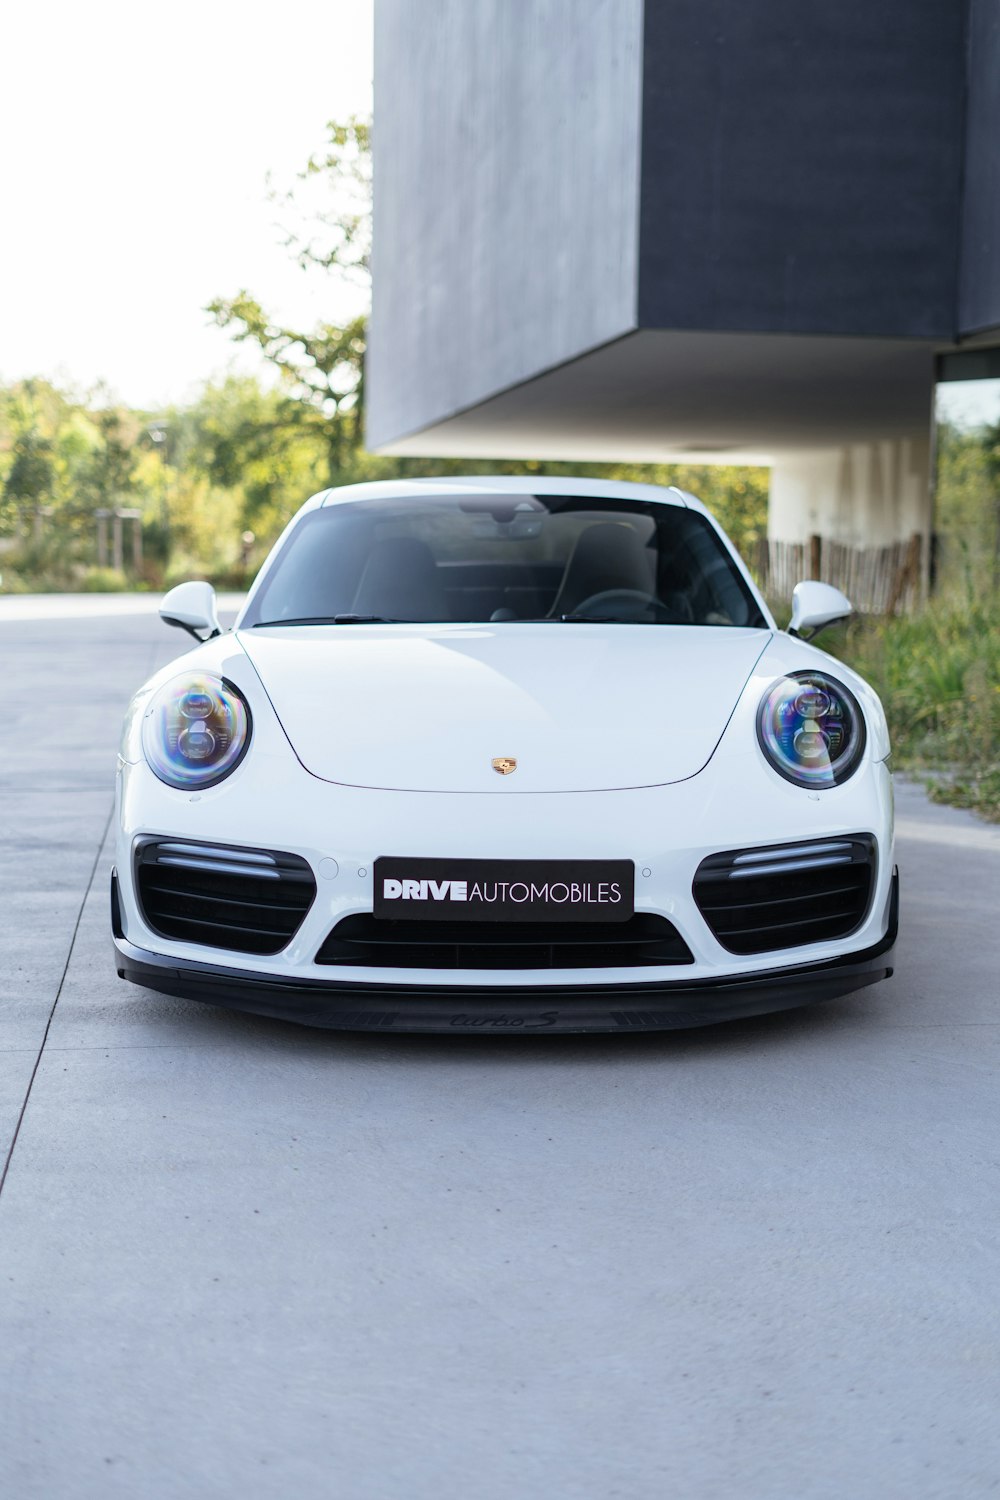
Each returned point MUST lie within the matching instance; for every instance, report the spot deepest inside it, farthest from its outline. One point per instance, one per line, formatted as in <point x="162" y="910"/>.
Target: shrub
<point x="938" y="675"/>
<point x="103" y="581"/>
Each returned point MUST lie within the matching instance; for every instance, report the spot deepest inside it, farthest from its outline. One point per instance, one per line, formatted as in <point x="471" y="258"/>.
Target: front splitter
<point x="550" y="1009"/>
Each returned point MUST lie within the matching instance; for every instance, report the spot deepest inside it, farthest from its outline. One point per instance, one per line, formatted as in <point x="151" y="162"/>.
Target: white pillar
<point x="861" y="495"/>
<point x="866" y="498"/>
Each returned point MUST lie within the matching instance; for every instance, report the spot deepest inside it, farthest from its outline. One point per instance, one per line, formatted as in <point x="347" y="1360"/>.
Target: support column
<point x="858" y="500"/>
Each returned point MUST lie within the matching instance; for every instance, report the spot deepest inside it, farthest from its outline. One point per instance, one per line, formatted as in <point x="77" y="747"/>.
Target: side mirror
<point x="816" y="605"/>
<point x="192" y="607"/>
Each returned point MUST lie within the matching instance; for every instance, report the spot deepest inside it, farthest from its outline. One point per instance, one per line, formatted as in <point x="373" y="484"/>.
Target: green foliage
<point x="105" y="468"/>
<point x="31" y="477"/>
<point x="103" y="581"/>
<point x="201" y="476"/>
<point x="938" y="675"/>
<point x="967" y="519"/>
<point x="241" y="438"/>
<point x="321" y="372"/>
<point x="61" y="460"/>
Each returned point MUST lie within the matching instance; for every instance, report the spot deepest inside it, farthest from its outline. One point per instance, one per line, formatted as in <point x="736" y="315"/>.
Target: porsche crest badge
<point x="503" y="764"/>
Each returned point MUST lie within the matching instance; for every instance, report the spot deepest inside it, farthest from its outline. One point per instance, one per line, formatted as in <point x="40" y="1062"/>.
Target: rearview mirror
<point x="816" y="605"/>
<point x="192" y="607"/>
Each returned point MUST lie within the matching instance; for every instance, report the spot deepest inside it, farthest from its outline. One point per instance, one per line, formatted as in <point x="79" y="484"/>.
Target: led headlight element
<point x="196" y="731"/>
<point x="811" y="729"/>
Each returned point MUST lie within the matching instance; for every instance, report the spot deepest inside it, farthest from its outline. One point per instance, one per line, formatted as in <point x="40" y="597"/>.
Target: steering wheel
<point x="632" y="604"/>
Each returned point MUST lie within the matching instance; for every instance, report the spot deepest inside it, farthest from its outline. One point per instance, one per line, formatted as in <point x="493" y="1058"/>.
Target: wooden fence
<point x="877" y="580"/>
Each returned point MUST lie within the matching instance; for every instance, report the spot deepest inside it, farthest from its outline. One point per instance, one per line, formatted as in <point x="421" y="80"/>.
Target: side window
<point x="715" y="590"/>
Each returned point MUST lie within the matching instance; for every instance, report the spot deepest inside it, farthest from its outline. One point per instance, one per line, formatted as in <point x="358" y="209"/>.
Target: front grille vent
<point x="244" y="900"/>
<point x="759" y="900"/>
<point x="374" y="942"/>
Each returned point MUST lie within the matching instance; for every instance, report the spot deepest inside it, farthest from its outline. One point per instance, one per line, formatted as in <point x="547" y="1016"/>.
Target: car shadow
<point x="777" y="1030"/>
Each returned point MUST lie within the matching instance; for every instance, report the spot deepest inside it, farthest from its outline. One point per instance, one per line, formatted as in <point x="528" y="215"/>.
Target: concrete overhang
<point x="653" y="396"/>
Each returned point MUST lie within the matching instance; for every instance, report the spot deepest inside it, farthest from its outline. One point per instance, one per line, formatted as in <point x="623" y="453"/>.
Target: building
<point x="695" y="229"/>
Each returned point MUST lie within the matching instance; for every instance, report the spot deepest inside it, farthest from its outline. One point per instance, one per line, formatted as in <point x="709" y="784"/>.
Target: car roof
<point x="517" y="484"/>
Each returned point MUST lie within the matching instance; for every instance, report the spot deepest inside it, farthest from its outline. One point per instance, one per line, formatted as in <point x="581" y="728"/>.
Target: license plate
<point x="505" y="890"/>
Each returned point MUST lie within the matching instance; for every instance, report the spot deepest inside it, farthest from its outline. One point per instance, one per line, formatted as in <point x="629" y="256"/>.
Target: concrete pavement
<point x="240" y="1258"/>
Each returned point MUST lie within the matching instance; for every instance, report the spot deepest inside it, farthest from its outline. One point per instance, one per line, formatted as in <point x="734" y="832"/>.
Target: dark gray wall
<point x="979" y="294"/>
<point x="506" y="195"/>
<point x="802" y="165"/>
<point x="552" y="175"/>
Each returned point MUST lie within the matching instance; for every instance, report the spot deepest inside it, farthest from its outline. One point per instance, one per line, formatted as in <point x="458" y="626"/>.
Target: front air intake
<point x="787" y="895"/>
<point x="373" y="942"/>
<point x="243" y="900"/>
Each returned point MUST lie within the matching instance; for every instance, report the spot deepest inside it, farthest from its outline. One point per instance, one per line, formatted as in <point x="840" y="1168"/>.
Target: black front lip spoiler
<point x="660" y="1006"/>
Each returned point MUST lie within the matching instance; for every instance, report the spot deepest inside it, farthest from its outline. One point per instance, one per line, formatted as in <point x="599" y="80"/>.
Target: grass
<point x="938" y="675"/>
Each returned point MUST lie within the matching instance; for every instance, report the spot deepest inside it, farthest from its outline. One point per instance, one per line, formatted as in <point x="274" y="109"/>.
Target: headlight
<point x="196" y="731"/>
<point x="811" y="729"/>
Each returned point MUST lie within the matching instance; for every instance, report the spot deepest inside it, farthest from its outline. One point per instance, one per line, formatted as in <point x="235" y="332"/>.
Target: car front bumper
<point x="657" y="1006"/>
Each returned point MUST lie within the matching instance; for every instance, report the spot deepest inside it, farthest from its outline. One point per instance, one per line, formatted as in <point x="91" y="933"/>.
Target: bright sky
<point x="137" y="140"/>
<point x="969" y="403"/>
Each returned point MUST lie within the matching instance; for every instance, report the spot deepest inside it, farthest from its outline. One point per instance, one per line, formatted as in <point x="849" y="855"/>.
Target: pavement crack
<point x="59" y="989"/>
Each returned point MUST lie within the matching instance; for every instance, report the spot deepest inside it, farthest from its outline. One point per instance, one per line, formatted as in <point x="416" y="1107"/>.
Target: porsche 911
<point x="504" y="755"/>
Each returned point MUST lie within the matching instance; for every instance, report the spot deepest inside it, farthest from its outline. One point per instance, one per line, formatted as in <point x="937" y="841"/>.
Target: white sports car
<point x="504" y="754"/>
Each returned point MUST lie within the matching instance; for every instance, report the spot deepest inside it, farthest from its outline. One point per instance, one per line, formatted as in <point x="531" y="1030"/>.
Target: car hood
<point x="428" y="708"/>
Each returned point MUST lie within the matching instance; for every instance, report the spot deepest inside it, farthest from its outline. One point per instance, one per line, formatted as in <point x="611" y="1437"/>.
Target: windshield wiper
<point x="332" y="620"/>
<point x="366" y="620"/>
<point x="595" y="620"/>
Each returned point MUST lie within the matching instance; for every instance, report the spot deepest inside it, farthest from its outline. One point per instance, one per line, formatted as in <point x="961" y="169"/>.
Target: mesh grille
<point x="244" y="900"/>
<point x="369" y="941"/>
<point x="759" y="900"/>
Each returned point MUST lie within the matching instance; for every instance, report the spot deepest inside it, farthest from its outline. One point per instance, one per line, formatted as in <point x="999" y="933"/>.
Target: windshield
<point x="503" y="558"/>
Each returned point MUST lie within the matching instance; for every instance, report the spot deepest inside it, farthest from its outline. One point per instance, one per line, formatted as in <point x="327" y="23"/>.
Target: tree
<point x="334" y="230"/>
<point x="107" y="474"/>
<point x="243" y="438"/>
<point x="322" y="373"/>
<point x="967" y="510"/>
<point x="31" y="478"/>
<point x="321" y="369"/>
